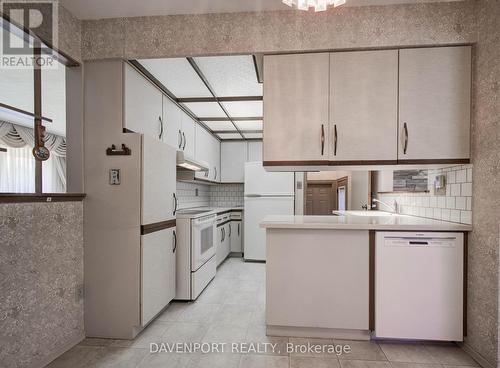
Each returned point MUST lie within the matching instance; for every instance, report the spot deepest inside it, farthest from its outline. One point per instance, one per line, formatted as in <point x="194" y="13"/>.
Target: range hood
<point x="189" y="164"/>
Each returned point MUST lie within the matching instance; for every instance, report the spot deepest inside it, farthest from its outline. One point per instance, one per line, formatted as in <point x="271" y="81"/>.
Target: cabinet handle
<point x="230" y="230"/>
<point x="180" y="139"/>
<point x="215" y="174"/>
<point x="335" y="139"/>
<point x="223" y="234"/>
<point x="238" y="229"/>
<point x="322" y="139"/>
<point x="405" y="148"/>
<point x="175" y="204"/>
<point x="184" y="136"/>
<point x="161" y="127"/>
<point x="175" y="242"/>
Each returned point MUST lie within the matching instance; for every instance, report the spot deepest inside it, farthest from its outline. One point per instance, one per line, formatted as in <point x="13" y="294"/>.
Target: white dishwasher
<point x="419" y="280"/>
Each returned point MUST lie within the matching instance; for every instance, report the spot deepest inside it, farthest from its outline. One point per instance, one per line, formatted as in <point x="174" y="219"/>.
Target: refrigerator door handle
<point x="253" y="195"/>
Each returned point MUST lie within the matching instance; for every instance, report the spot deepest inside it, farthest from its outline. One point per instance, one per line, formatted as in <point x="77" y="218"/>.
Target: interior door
<point x="364" y="105"/>
<point x="158" y="272"/>
<point x="143" y="104"/>
<point x="434" y="103"/>
<point x="320" y="199"/>
<point x="158" y="181"/>
<point x="296" y="95"/>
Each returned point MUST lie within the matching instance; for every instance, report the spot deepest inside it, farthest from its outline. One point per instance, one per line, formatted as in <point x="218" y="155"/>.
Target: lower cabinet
<point x="158" y="272"/>
<point x="235" y="233"/>
<point x="223" y="247"/>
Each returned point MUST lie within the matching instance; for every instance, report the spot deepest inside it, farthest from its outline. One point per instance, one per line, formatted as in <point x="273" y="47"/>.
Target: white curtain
<point x="17" y="170"/>
<point x="17" y="165"/>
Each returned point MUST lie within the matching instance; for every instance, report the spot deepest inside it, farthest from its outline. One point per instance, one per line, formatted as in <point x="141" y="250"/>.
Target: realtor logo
<point x="25" y="19"/>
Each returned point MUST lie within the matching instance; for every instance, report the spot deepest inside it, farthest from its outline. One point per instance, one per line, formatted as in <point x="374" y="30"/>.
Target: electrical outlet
<point x="79" y="292"/>
<point x="114" y="177"/>
<point x="196" y="192"/>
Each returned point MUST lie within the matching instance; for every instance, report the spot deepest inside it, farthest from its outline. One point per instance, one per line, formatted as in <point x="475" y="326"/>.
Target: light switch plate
<point x="114" y="177"/>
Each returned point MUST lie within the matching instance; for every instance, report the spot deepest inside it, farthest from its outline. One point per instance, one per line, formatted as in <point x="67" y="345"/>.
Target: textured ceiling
<point x="96" y="9"/>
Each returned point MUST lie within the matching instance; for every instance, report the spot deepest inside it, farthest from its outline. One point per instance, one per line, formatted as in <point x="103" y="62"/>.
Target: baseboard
<point x="72" y="342"/>
<point x="313" y="332"/>
<point x="476" y="356"/>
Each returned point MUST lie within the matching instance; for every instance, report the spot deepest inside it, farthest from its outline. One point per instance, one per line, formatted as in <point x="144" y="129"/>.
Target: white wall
<point x="359" y="189"/>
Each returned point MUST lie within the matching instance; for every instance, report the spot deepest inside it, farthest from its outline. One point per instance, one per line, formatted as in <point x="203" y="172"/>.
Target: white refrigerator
<point x="266" y="193"/>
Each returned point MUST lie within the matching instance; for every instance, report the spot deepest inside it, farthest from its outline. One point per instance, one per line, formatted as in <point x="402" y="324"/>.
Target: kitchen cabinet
<point x="155" y="154"/>
<point x="233" y="158"/>
<point x="158" y="272"/>
<point x="434" y="103"/>
<point x="330" y="281"/>
<point x="364" y="106"/>
<point x="215" y="167"/>
<point x="142" y="104"/>
<point x="188" y="131"/>
<point x="254" y="151"/>
<point x="235" y="234"/>
<point x="203" y="151"/>
<point x="405" y="106"/>
<point x="223" y="243"/>
<point x="296" y="98"/>
<point x="227" y="239"/>
<point x="172" y="123"/>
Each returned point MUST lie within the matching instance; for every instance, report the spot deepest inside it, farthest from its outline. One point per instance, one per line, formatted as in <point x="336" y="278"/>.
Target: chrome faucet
<point x="394" y="208"/>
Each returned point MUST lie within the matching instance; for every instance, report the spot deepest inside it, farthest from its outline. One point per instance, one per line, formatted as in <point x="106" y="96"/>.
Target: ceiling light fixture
<point x="318" y="5"/>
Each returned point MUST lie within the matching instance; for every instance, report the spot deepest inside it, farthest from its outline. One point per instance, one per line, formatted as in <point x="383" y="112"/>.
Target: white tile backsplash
<point x="198" y="195"/>
<point x="227" y="195"/>
<point x="455" y="205"/>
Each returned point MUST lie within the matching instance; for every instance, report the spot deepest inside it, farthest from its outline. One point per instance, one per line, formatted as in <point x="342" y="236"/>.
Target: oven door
<point x="203" y="241"/>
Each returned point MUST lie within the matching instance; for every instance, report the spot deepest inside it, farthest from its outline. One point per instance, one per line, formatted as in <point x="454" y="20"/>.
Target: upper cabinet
<point x="188" y="132"/>
<point x="143" y="105"/>
<point x="364" y="106"/>
<point x="296" y="107"/>
<point x="342" y="108"/>
<point x="233" y="158"/>
<point x="434" y="103"/>
<point x="254" y="151"/>
<point x="172" y="123"/>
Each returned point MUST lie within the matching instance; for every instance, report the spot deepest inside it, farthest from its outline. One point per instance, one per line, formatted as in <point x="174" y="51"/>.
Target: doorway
<point x="321" y="198"/>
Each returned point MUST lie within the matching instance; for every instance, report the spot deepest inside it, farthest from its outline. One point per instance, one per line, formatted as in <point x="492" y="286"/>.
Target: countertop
<point x="365" y="222"/>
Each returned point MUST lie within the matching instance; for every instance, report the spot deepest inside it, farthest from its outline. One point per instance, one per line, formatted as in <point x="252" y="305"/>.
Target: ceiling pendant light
<point x="318" y="5"/>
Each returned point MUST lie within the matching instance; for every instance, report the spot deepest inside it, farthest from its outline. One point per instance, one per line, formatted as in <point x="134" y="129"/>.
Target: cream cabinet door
<point x="254" y="151"/>
<point x="203" y="151"/>
<point x="172" y="123"/>
<point x="296" y="95"/>
<point x="188" y="135"/>
<point x="158" y="272"/>
<point x="233" y="158"/>
<point x="142" y="105"/>
<point x="434" y="103"/>
<point x="364" y="106"/>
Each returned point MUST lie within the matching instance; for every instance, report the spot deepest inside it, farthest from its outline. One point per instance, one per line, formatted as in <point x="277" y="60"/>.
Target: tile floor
<point x="231" y="310"/>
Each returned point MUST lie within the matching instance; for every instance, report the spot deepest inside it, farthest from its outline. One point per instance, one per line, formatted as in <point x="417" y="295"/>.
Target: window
<point x="18" y="166"/>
